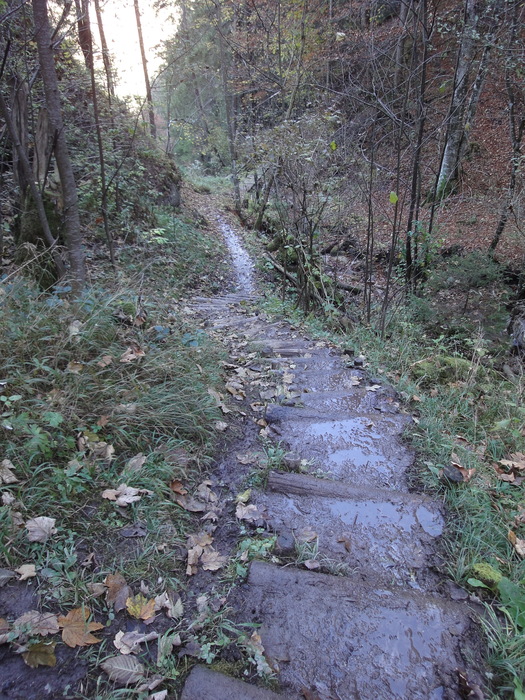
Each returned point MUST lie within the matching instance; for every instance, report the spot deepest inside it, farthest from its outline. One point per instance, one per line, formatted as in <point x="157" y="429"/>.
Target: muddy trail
<point x="354" y="608"/>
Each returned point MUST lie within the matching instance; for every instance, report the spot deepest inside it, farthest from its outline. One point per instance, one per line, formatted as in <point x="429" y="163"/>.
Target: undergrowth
<point x="111" y="391"/>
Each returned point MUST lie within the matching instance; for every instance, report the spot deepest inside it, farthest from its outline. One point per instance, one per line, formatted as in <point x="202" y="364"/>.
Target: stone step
<point x="350" y="449"/>
<point x="205" y="684"/>
<point x="355" y="399"/>
<point x="343" y="639"/>
<point x="374" y="533"/>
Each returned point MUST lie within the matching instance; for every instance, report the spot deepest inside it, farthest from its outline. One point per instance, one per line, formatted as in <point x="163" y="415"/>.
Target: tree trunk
<point x="450" y="163"/>
<point x="149" y="98"/>
<point x="72" y="232"/>
<point x="25" y="168"/>
<point x="106" y="58"/>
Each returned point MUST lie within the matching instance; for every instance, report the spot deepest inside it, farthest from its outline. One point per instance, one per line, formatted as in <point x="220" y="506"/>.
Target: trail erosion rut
<point x="375" y="621"/>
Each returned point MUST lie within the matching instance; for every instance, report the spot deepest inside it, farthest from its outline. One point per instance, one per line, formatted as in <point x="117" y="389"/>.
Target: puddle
<point x="242" y="263"/>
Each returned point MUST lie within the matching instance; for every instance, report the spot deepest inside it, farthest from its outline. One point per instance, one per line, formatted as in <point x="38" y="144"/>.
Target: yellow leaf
<point x="76" y="630"/>
<point x="26" y="571"/>
<point x="140" y="607"/>
<point x="40" y="654"/>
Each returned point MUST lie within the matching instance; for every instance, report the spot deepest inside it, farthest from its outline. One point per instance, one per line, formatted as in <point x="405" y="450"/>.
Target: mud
<point x="370" y="620"/>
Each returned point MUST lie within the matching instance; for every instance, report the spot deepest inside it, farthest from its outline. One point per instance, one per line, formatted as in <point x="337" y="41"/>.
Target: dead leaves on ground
<point x="201" y="552"/>
<point x="76" y="630"/>
<point x="124" y="494"/>
<point x="514" y="471"/>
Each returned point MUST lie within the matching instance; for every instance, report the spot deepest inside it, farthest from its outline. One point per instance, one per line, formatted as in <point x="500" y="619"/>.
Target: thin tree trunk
<point x="149" y="98"/>
<point x="106" y="57"/>
<point x="450" y="163"/>
<point x="72" y="231"/>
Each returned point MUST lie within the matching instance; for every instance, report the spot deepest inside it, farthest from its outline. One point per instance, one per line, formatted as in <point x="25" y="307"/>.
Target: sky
<point x="122" y="38"/>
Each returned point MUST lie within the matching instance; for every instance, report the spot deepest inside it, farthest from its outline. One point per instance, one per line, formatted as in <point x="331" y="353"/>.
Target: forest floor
<point x="313" y="564"/>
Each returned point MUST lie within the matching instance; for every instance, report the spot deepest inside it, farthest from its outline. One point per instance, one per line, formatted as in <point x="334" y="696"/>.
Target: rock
<point x="204" y="684"/>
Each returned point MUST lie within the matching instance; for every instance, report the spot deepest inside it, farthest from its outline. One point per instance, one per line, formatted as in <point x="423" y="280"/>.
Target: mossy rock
<point x="487" y="574"/>
<point x="443" y="369"/>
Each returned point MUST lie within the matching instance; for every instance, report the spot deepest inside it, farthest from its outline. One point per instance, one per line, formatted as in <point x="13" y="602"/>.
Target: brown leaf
<point x="6" y="472"/>
<point x="105" y="361"/>
<point x="118" y="591"/>
<point x="177" y="487"/>
<point x="166" y="601"/>
<point x="517" y="543"/>
<point x="38" y="623"/>
<point x="136" y="463"/>
<point x="345" y="539"/>
<point x="190" y="504"/>
<point x="250" y="513"/>
<point x="140" y="607"/>
<point x="306" y="534"/>
<point x="4" y="631"/>
<point x="74" y="367"/>
<point x="40" y="529"/>
<point x="204" y="492"/>
<point x="311" y="564"/>
<point x="132" y="353"/>
<point x="128" y="642"/>
<point x="76" y="630"/>
<point x="123" y="670"/>
<point x="124" y="494"/>
<point x="40" y="654"/>
<point x="212" y="560"/>
<point x="516" y="461"/>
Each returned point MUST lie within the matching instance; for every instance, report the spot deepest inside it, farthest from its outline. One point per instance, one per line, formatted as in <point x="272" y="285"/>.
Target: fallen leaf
<point x="124" y="494"/>
<point x="173" y="608"/>
<point x="517" y="543"/>
<point x="221" y="426"/>
<point x="8" y="499"/>
<point x="250" y="513"/>
<point x="212" y="560"/>
<point x="373" y="387"/>
<point x="5" y="576"/>
<point x="205" y="493"/>
<point x="123" y="669"/>
<point x="140" y="607"/>
<point x="306" y="534"/>
<point x="118" y="591"/>
<point x="137" y="529"/>
<point x="199" y="539"/>
<point x="177" y="487"/>
<point x="40" y="529"/>
<point x="345" y="539"/>
<point x="311" y="564"/>
<point x="4" y="631"/>
<point x="132" y="353"/>
<point x="248" y="458"/>
<point x="136" y="463"/>
<point x="467" y="474"/>
<point x="76" y="630"/>
<point x="516" y="461"/>
<point x="96" y="589"/>
<point x="40" y="654"/>
<point x="128" y="642"/>
<point x="190" y="504"/>
<point x="105" y="361"/>
<point x="102" y="450"/>
<point x="26" y="571"/>
<point x="243" y="497"/>
<point x="34" y="622"/>
<point x="74" y="367"/>
<point x="6" y="472"/>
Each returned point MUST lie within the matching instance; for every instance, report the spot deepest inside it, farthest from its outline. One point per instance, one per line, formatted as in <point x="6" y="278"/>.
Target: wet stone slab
<point x="358" y="642"/>
<point x="204" y="684"/>
<point x="383" y="534"/>
<point x="353" y="450"/>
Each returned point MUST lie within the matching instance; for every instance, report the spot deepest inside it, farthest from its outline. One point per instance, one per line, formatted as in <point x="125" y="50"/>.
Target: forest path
<point x="353" y="609"/>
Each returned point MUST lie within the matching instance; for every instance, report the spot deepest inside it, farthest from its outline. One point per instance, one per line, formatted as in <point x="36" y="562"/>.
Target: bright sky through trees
<point x="121" y="34"/>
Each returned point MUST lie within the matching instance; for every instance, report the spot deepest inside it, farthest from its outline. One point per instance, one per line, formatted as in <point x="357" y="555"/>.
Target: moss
<point x="442" y="369"/>
<point x="487" y="574"/>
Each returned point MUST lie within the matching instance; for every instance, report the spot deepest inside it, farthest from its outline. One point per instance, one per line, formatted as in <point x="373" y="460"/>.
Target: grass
<point x="86" y="386"/>
<point x="466" y="407"/>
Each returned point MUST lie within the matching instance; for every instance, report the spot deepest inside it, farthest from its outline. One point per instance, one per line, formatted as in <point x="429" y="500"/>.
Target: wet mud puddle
<point x="242" y="263"/>
<point x="350" y="608"/>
